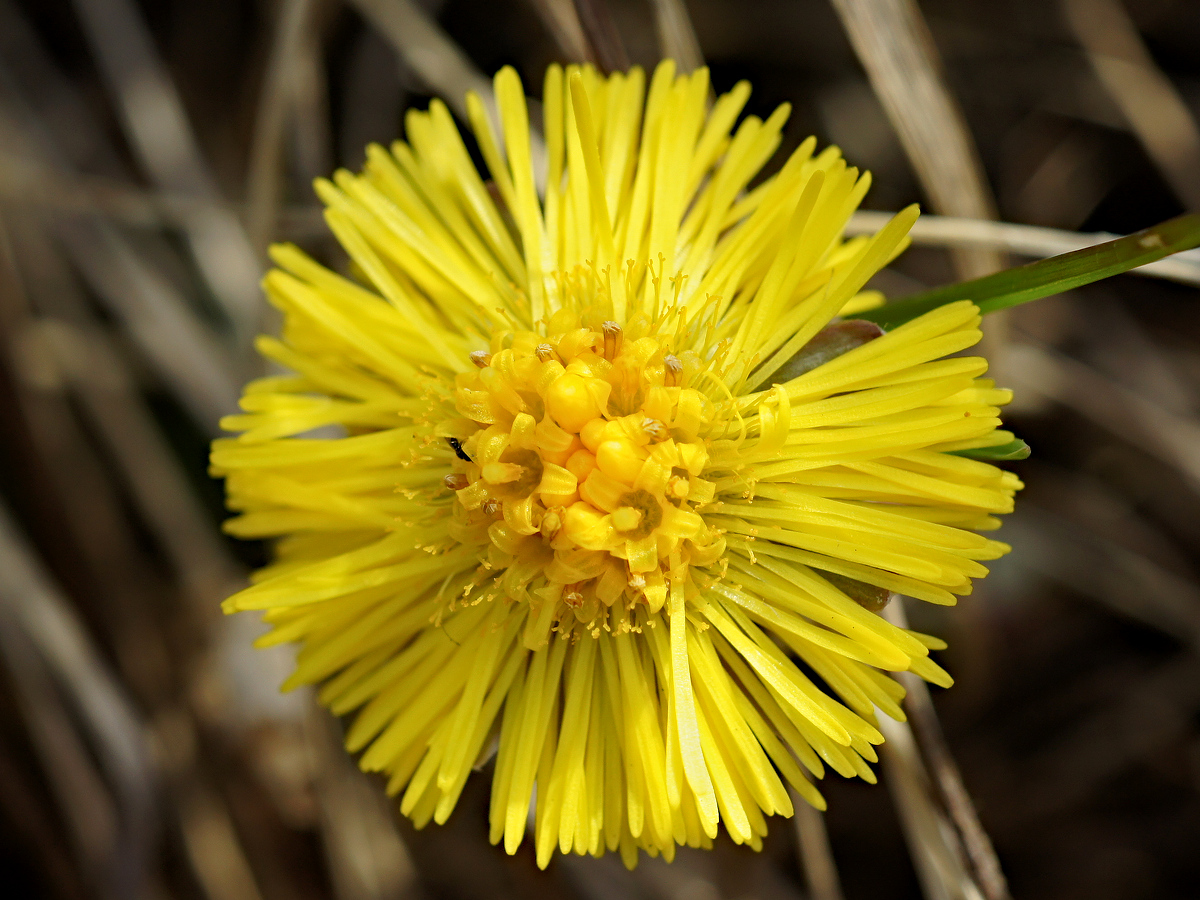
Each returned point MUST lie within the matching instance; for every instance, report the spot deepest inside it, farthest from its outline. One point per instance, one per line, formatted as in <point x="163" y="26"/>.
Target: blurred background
<point x="149" y="152"/>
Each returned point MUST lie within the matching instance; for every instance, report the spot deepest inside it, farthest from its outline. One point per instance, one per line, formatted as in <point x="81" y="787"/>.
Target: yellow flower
<point x="607" y="489"/>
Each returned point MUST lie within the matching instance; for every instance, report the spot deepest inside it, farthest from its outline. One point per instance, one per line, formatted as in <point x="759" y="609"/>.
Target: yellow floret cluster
<point x="582" y="463"/>
<point x="610" y="486"/>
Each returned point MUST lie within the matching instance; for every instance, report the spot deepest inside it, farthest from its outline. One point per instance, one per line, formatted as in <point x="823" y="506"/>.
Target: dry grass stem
<point x="947" y="780"/>
<point x="429" y="52"/>
<point x="1127" y="581"/>
<point x="1151" y="711"/>
<point x="26" y="182"/>
<point x="894" y="46"/>
<point x="1157" y="114"/>
<point x="117" y="413"/>
<point x="601" y="32"/>
<point x="32" y="604"/>
<point x="80" y="359"/>
<point x="561" y="19"/>
<point x="932" y="841"/>
<point x="312" y="141"/>
<point x="1172" y="438"/>
<point x="440" y="63"/>
<point x="1023" y="240"/>
<point x="816" y="856"/>
<point x="156" y="317"/>
<point x="157" y="128"/>
<point x="276" y="101"/>
<point x="212" y="845"/>
<point x="82" y="798"/>
<point x="367" y="858"/>
<point x="676" y="34"/>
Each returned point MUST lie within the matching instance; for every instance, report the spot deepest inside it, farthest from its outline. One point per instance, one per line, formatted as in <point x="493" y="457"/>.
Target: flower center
<point x="584" y="455"/>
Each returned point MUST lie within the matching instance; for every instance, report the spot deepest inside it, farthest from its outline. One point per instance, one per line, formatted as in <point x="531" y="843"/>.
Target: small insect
<point x="456" y="446"/>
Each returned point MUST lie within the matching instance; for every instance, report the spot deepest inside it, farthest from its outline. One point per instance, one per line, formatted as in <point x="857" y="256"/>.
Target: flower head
<point x="614" y="478"/>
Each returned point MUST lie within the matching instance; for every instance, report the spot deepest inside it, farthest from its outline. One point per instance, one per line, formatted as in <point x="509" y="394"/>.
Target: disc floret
<point x="585" y="455"/>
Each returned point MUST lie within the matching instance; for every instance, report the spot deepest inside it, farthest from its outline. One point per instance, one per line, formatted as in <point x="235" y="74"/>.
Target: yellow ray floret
<point x="617" y="485"/>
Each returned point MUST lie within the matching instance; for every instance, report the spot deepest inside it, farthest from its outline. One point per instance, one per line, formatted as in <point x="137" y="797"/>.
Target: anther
<point x="613" y="338"/>
<point x="672" y="370"/>
<point x="637" y="581"/>
<point x="627" y="518"/>
<point x="678" y="487"/>
<point x="551" y="524"/>
<point x="455" y="481"/>
<point x="655" y="430"/>
<point x="501" y="473"/>
<point x="572" y="596"/>
<point x="490" y="507"/>
<point x="481" y="358"/>
<point x="546" y="352"/>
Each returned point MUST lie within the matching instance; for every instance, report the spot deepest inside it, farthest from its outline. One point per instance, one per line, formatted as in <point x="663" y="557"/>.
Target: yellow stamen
<point x="502" y="473"/>
<point x="626" y="518"/>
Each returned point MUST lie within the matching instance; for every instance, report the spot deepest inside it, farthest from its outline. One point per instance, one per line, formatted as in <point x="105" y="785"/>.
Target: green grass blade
<point x="1014" y="449"/>
<point x="1049" y="276"/>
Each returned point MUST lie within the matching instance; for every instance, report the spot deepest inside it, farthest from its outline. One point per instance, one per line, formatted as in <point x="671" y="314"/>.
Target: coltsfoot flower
<point x="617" y="488"/>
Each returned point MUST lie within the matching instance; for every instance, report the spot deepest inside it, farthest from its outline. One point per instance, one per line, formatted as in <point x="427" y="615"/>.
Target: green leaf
<point x="1049" y="276"/>
<point x="1015" y="449"/>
